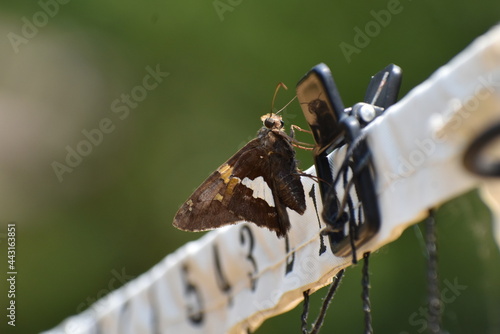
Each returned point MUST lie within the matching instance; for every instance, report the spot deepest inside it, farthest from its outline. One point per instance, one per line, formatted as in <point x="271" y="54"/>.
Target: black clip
<point x="333" y="126"/>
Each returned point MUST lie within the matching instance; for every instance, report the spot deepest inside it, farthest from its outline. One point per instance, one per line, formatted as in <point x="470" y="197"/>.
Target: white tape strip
<point x="234" y="278"/>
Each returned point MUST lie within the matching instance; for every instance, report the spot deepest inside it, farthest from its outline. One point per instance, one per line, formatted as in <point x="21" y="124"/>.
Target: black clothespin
<point x="333" y="126"/>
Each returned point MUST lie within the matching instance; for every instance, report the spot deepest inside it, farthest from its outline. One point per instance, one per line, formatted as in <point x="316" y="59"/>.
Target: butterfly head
<point x="273" y="121"/>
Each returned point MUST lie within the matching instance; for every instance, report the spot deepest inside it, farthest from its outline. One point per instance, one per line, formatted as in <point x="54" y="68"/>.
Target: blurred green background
<point x="113" y="211"/>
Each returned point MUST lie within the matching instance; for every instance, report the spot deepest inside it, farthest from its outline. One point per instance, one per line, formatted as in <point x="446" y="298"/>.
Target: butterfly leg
<point x="294" y="127"/>
<point x="296" y="143"/>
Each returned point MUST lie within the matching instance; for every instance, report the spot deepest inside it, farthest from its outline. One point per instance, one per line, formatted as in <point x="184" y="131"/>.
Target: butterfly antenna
<point x="276" y="93"/>
<point x="286" y="105"/>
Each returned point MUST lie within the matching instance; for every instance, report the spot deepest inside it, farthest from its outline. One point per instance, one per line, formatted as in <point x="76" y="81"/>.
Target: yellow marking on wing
<point x="231" y="181"/>
<point x="225" y="173"/>
<point x="190" y="204"/>
<point x="230" y="187"/>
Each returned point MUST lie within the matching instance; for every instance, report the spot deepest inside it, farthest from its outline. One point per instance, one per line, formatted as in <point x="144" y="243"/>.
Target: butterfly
<point x="257" y="184"/>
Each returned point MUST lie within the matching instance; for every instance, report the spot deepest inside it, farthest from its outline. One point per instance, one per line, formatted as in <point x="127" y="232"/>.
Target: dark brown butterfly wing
<point x="255" y="185"/>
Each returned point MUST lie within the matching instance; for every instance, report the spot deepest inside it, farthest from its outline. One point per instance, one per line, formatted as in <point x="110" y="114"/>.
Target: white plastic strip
<point x="234" y="278"/>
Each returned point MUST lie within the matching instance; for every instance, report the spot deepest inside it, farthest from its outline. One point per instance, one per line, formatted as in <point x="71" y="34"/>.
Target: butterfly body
<point x="256" y="184"/>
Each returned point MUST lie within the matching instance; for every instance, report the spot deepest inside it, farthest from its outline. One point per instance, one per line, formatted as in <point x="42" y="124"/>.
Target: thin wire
<point x="305" y="311"/>
<point x="346" y="201"/>
<point x="365" y="295"/>
<point x="380" y="87"/>
<point x="352" y="219"/>
<point x="433" y="298"/>
<point x="361" y="164"/>
<point x="324" y="307"/>
<point x="348" y="155"/>
<point x="286" y="105"/>
<point x="326" y="302"/>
